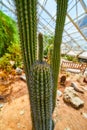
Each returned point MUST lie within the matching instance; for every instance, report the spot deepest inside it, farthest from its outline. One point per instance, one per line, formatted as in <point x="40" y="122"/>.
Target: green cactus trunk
<point x="60" y="20"/>
<point x="41" y="87"/>
<point x="40" y="47"/>
<point x="38" y="74"/>
<point x="27" y="23"/>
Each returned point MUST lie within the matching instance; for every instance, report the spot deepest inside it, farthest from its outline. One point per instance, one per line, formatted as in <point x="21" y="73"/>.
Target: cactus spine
<point x="60" y="20"/>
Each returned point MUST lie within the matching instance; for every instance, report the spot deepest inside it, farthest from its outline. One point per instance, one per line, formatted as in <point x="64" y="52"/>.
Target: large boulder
<point x="70" y="96"/>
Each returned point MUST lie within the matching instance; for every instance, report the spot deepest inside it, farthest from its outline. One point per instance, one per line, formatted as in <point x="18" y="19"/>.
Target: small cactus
<point x="41" y="87"/>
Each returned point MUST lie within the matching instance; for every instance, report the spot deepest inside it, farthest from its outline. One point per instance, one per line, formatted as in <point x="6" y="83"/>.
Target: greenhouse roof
<point x="74" y="41"/>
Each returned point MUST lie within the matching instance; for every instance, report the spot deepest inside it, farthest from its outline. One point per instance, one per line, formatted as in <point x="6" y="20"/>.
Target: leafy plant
<point x="14" y="54"/>
<point x="14" y="51"/>
<point x="8" y="33"/>
<point x="70" y="58"/>
<point x="5" y="62"/>
<point x="48" y="40"/>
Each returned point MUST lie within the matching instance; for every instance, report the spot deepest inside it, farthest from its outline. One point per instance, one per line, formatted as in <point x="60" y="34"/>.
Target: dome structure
<point x="75" y="31"/>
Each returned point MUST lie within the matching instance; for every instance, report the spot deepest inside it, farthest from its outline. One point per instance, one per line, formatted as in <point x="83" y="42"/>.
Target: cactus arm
<point x="61" y="14"/>
<point x="40" y="47"/>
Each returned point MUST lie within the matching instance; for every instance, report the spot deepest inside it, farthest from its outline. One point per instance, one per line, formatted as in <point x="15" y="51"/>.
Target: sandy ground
<point x="15" y="112"/>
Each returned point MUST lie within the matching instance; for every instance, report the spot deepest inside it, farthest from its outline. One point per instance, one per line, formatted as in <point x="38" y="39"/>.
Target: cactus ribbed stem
<point x="27" y="22"/>
<point x="41" y="85"/>
<point x="60" y="20"/>
<point x="38" y="74"/>
<point x="40" y="47"/>
<point x="34" y="30"/>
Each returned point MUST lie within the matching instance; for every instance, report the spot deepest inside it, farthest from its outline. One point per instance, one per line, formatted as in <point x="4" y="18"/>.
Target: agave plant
<point x="41" y="79"/>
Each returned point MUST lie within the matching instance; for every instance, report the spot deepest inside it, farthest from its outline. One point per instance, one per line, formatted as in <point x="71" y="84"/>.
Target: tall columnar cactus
<point x="27" y="22"/>
<point x="60" y="20"/>
<point x="40" y="47"/>
<point x="39" y="76"/>
<point x="41" y="87"/>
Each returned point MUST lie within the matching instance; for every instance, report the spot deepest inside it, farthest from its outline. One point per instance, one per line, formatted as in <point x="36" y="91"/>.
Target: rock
<point x="85" y="73"/>
<point x="84" y="115"/>
<point x="22" y="112"/>
<point x="2" y="98"/>
<point x="67" y="128"/>
<point x="85" y="88"/>
<point x="18" y="125"/>
<point x="85" y="80"/>
<point x="1" y="105"/>
<point x="19" y="71"/>
<point x="71" y="97"/>
<point x="23" y="77"/>
<point x="12" y="62"/>
<point x="63" y="80"/>
<point x="59" y="93"/>
<point x="76" y="88"/>
<point x="85" y="77"/>
<point x="77" y="102"/>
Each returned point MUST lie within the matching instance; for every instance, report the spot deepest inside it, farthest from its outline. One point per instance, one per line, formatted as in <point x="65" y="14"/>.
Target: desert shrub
<point x="8" y="33"/>
<point x="9" y="43"/>
<point x="5" y="62"/>
<point x="15" y="52"/>
<point x="70" y="58"/>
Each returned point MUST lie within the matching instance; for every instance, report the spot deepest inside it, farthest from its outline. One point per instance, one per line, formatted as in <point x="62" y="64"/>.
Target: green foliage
<point x="70" y="58"/>
<point x="48" y="41"/>
<point x="8" y="33"/>
<point x="41" y="87"/>
<point x="15" y="53"/>
<point x="50" y="55"/>
<point x="5" y="62"/>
